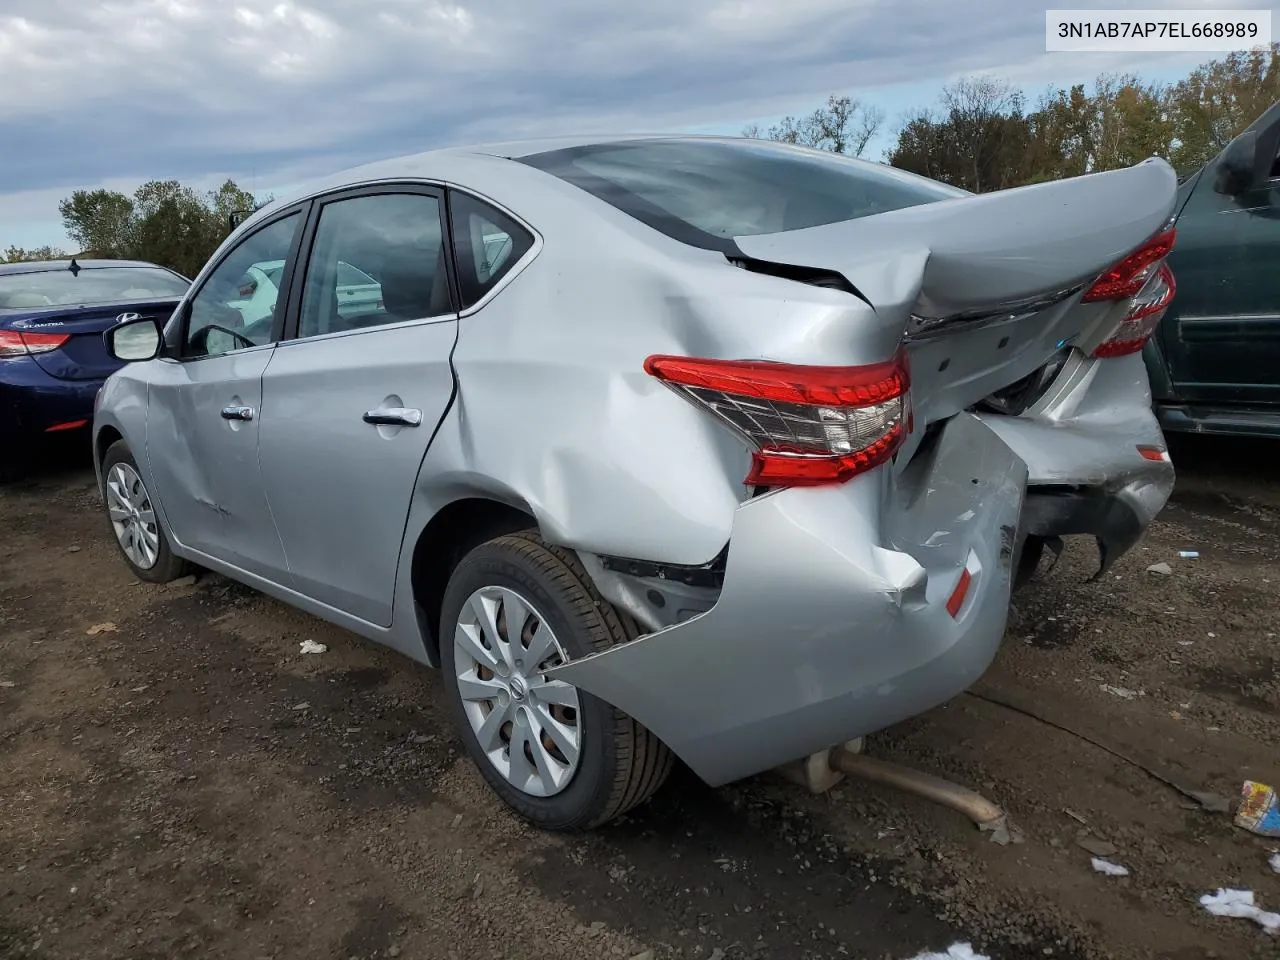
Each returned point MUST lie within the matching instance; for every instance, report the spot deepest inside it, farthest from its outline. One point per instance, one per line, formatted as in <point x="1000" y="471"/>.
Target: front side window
<point x="487" y="244"/>
<point x="706" y="192"/>
<point x="236" y="307"/>
<point x="88" y="286"/>
<point x="376" y="260"/>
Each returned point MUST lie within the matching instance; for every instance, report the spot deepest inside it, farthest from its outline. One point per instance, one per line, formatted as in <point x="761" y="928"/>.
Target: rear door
<point x="356" y="392"/>
<point x="1221" y="336"/>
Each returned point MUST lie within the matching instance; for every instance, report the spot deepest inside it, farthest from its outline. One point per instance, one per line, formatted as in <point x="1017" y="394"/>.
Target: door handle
<point x="394" y="417"/>
<point x="237" y="413"/>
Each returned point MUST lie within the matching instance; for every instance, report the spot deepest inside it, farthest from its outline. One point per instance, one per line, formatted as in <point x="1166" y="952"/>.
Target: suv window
<point x="487" y="244"/>
<point x="225" y="314"/>
<point x="376" y="259"/>
<point x="705" y="192"/>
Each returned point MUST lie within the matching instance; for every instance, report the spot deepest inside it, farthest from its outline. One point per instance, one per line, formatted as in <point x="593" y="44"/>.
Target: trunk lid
<point x="986" y="289"/>
<point x="84" y="355"/>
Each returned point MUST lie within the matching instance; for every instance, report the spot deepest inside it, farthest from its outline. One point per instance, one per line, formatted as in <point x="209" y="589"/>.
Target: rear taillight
<point x="807" y="425"/>
<point x="16" y="343"/>
<point x="1127" y="278"/>
<point x="1145" y="280"/>
<point x="1145" y="312"/>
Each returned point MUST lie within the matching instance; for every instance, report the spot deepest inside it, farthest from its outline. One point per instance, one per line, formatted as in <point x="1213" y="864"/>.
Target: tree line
<point x="982" y="134"/>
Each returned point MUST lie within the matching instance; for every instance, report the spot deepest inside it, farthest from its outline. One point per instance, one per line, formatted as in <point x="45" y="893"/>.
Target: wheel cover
<point x="530" y="727"/>
<point x="132" y="517"/>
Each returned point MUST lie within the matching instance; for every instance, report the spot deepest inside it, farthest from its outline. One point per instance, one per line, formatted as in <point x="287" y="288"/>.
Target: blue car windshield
<point x="89" y="285"/>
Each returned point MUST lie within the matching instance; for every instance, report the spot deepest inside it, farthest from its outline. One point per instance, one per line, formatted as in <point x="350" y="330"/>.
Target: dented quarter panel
<point x="863" y="640"/>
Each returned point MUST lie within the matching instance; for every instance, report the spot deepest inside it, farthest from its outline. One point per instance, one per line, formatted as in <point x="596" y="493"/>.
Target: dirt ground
<point x="177" y="780"/>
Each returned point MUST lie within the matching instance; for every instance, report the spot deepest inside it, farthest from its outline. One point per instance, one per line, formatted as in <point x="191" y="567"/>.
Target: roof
<point x="40" y="266"/>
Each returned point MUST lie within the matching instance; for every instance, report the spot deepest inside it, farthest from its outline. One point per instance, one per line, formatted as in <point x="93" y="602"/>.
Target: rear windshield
<point x="705" y="192"/>
<point x="52" y="288"/>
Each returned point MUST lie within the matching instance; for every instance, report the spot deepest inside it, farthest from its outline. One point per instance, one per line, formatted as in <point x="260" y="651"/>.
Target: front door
<point x="356" y="394"/>
<point x="205" y="413"/>
<point x="1222" y="334"/>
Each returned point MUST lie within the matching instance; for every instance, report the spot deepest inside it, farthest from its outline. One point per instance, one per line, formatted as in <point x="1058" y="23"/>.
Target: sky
<point x="273" y="92"/>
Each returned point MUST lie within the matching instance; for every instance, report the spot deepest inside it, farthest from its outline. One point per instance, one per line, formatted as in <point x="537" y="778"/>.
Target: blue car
<point x="52" y="355"/>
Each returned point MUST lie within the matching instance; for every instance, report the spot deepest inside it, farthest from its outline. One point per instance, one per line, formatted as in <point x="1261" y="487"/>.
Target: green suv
<point x="1214" y="363"/>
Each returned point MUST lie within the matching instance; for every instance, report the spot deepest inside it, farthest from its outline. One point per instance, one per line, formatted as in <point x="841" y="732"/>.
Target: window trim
<point x="176" y="334"/>
<point x="297" y="279"/>
<point x="516" y="268"/>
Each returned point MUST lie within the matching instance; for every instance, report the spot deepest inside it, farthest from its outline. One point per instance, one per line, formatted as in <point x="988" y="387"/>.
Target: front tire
<point x="559" y="757"/>
<point x="135" y="525"/>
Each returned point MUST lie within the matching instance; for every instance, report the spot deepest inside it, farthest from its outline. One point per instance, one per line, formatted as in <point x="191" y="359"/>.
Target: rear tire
<point x="618" y="764"/>
<point x="141" y="532"/>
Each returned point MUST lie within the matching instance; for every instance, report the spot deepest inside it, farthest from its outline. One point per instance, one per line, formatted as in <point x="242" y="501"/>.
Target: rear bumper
<point x="32" y="401"/>
<point x="832" y="622"/>
<point x="1081" y="445"/>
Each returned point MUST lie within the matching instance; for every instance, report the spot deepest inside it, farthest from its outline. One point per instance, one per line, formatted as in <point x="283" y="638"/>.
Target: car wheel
<point x="134" y="522"/>
<point x="559" y="757"/>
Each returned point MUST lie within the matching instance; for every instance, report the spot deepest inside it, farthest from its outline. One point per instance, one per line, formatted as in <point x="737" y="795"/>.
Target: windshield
<point x="91" y="285"/>
<point x="705" y="192"/>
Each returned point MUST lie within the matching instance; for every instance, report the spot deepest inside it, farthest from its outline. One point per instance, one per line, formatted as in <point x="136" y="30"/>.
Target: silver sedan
<point x="658" y="447"/>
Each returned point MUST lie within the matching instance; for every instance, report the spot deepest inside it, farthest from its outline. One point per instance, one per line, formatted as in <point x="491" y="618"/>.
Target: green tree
<point x="23" y="255"/>
<point x="163" y="222"/>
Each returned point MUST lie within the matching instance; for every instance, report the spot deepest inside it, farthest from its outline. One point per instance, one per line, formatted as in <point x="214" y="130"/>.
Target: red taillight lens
<point x="1127" y="278"/>
<point x="809" y="425"/>
<point x="15" y="343"/>
<point x="1145" y="313"/>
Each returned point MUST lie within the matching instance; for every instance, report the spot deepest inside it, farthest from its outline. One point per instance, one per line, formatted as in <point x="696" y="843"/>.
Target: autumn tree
<point x="844" y="125"/>
<point x="1218" y="100"/>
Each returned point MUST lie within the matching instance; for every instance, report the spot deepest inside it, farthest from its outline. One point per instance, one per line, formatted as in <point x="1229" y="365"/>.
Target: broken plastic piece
<point x="1108" y="868"/>
<point x="1239" y="903"/>
<point x="1161" y="569"/>
<point x="1259" y="810"/>
<point x="310" y="646"/>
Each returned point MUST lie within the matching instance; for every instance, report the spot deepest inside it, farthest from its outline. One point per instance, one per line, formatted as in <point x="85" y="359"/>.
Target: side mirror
<point x="1237" y="167"/>
<point x="135" y="340"/>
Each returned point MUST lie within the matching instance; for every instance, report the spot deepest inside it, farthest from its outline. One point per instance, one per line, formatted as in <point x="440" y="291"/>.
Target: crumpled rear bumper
<point x="832" y="622"/>
<point x="1083" y="447"/>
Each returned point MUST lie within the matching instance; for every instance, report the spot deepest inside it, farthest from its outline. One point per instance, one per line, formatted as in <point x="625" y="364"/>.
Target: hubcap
<point x="527" y="725"/>
<point x="132" y="517"/>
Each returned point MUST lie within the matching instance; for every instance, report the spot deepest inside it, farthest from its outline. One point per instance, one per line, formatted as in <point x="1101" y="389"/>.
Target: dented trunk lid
<point x="986" y="289"/>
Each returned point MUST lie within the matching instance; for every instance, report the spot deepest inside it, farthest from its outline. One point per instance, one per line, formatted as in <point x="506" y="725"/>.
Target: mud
<point x="182" y="782"/>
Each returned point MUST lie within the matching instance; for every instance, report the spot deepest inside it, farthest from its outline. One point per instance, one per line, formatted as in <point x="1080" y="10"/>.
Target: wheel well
<point x="446" y="539"/>
<point x="103" y="441"/>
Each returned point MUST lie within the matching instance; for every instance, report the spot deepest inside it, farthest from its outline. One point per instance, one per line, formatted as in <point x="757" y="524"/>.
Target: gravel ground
<point x="177" y="780"/>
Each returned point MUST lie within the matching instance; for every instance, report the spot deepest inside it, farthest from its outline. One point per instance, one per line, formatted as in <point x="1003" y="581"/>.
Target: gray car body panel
<point x="830" y="618"/>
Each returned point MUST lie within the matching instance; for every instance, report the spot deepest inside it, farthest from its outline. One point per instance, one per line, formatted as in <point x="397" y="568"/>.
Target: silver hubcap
<point x="132" y="517"/>
<point x="527" y="725"/>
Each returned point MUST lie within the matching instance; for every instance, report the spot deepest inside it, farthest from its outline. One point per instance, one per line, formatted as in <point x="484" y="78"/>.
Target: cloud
<point x="127" y="90"/>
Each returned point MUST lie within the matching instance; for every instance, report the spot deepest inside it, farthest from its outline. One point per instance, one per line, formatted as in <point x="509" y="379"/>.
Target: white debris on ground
<point x="1124" y="693"/>
<point x="310" y="646"/>
<point x="1109" y="868"/>
<point x="1239" y="903"/>
<point x="957" y="951"/>
<point x="1161" y="569"/>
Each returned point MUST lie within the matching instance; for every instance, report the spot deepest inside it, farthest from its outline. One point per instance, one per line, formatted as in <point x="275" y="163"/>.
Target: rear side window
<point x="705" y="192"/>
<point x="487" y="244"/>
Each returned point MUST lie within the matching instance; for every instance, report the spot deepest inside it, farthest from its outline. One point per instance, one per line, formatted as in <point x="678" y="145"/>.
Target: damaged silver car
<point x="658" y="447"/>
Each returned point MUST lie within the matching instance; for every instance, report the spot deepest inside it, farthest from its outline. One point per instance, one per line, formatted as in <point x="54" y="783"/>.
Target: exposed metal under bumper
<point x="1111" y="520"/>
